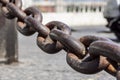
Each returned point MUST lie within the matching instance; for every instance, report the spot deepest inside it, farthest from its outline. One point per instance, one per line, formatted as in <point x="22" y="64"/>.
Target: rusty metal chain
<point x="88" y="55"/>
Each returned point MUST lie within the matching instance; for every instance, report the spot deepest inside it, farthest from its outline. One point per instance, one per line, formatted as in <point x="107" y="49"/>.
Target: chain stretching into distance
<point x="88" y="54"/>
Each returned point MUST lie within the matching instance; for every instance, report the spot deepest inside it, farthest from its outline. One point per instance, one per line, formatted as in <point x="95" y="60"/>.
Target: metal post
<point x="8" y="40"/>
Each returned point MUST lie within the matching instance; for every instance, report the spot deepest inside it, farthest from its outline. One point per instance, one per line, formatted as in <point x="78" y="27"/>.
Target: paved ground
<point x="37" y="65"/>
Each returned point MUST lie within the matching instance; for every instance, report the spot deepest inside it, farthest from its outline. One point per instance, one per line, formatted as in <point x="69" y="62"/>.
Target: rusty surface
<point x="50" y="45"/>
<point x="88" y="55"/>
<point x="26" y="29"/>
<point x="8" y="13"/>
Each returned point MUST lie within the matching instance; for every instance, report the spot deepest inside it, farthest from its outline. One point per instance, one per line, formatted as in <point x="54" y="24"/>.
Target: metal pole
<point x="8" y="40"/>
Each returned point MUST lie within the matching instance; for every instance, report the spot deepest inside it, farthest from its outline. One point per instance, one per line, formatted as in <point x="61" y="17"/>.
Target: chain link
<point x="26" y="29"/>
<point x="88" y="55"/>
<point x="6" y="12"/>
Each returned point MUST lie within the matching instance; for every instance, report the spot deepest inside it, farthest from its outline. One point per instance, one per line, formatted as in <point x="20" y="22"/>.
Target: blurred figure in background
<point x="112" y="15"/>
<point x="111" y="10"/>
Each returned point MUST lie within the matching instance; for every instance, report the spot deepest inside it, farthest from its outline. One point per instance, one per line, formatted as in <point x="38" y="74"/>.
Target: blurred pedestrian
<point x="111" y="10"/>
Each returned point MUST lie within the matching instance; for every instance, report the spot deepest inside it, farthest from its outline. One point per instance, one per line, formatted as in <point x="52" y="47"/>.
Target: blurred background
<point x="79" y="12"/>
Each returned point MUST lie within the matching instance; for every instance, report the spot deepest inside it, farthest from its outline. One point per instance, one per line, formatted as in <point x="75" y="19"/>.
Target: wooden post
<point x="8" y="40"/>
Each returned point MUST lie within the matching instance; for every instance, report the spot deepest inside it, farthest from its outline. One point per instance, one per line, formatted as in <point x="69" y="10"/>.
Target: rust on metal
<point x="51" y="45"/>
<point x="88" y="54"/>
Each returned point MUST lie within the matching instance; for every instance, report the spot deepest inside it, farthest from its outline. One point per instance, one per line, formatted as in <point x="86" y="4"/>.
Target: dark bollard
<point x="8" y="40"/>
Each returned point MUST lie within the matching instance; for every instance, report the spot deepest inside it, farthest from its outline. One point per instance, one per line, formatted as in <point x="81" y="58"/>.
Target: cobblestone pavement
<point x="37" y="65"/>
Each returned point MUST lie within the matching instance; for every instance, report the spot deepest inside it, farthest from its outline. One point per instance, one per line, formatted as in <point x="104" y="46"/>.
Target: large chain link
<point x="88" y="55"/>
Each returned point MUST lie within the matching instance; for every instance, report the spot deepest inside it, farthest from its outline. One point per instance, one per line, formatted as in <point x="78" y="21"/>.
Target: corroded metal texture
<point x="8" y="40"/>
<point x="88" y="55"/>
